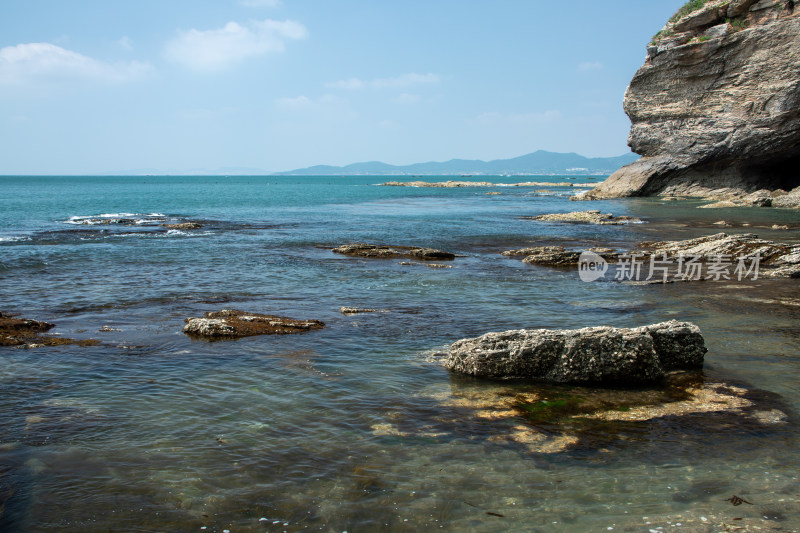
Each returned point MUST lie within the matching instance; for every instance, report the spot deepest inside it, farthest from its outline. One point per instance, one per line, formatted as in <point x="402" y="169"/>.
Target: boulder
<point x="231" y="323"/>
<point x="379" y="251"/>
<point x="596" y="355"/>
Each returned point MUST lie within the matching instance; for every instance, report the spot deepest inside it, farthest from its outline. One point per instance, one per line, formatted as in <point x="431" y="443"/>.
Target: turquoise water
<point x="355" y="427"/>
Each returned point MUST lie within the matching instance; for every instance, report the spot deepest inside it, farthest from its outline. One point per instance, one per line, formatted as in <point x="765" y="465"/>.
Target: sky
<point x="202" y="86"/>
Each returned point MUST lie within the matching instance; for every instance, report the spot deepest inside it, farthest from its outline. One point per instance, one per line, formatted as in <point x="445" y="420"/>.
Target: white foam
<point x="105" y="218"/>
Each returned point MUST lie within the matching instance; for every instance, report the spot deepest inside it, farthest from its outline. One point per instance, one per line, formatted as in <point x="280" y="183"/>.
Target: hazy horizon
<point x="100" y="87"/>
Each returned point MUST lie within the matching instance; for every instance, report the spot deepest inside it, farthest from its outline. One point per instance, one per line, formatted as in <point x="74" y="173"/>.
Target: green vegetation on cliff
<point x="687" y="8"/>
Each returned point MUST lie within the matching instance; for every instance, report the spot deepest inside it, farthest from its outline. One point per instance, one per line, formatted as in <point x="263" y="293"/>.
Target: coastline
<point x="362" y="402"/>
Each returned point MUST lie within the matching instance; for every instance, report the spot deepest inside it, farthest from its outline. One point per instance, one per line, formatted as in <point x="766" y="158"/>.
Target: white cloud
<point x="217" y="49"/>
<point x="260" y="3"/>
<point x="588" y="66"/>
<point x="403" y="80"/>
<point x="37" y="61"/>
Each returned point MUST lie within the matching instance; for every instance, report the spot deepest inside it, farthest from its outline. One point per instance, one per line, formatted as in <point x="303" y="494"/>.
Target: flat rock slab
<point x="26" y="332"/>
<point x="380" y="251"/>
<point x="586" y="217"/>
<point x="231" y="323"/>
<point x="556" y="255"/>
<point x="596" y="355"/>
<point x="777" y="260"/>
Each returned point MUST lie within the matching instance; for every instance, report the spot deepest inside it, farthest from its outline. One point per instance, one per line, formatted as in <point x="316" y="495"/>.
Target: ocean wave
<point x="14" y="238"/>
<point x="125" y="219"/>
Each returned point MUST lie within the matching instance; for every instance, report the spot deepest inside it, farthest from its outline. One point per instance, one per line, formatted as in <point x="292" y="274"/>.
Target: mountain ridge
<point x="534" y="163"/>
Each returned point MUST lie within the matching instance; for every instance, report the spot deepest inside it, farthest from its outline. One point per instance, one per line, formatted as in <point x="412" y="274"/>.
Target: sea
<point x="358" y="426"/>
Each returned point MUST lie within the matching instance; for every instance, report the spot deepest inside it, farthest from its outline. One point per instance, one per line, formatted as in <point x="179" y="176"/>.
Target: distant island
<point x="536" y="163"/>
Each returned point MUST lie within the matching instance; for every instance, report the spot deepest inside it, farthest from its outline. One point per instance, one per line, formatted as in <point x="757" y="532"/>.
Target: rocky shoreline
<point x="714" y="107"/>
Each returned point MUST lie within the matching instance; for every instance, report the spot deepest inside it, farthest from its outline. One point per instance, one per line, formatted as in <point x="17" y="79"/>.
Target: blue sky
<point x="185" y="86"/>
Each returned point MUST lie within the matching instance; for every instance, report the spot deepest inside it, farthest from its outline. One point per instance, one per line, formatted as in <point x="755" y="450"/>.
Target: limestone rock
<point x="716" y="106"/>
<point x="791" y="199"/>
<point x="231" y="323"/>
<point x="776" y="260"/>
<point x="379" y="251"/>
<point x="586" y="217"/>
<point x="589" y="355"/>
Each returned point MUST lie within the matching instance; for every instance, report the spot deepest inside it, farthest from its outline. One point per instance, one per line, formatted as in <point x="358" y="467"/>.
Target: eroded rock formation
<point x="588" y="355"/>
<point x="716" y="105"/>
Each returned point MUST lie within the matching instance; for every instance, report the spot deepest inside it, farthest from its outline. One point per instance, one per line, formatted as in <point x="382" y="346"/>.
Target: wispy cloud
<point x="349" y="84"/>
<point x="588" y="66"/>
<point x="297" y="102"/>
<point x="217" y="49"/>
<point x="125" y="43"/>
<point x="403" y="80"/>
<point x="304" y="102"/>
<point x="28" y="62"/>
<point x="260" y="3"/>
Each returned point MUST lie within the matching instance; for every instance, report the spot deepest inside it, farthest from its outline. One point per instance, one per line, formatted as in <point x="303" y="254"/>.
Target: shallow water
<point x="356" y="427"/>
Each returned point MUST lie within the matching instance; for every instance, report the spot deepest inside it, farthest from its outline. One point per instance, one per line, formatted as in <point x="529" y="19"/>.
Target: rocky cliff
<point x="716" y="106"/>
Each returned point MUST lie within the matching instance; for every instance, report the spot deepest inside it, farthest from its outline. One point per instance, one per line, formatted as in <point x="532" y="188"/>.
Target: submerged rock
<point x="183" y="225"/>
<point x="586" y="217"/>
<point x="231" y="323"/>
<point x="548" y="418"/>
<point x="715" y="106"/>
<point x="26" y="332"/>
<point x="589" y="355"/>
<point x="379" y="251"/>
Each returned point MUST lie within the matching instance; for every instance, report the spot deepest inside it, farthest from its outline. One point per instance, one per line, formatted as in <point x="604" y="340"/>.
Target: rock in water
<point x="231" y="323"/>
<point x="716" y="106"/>
<point x="26" y="332"/>
<point x="380" y="251"/>
<point x="590" y="355"/>
<point x="586" y="217"/>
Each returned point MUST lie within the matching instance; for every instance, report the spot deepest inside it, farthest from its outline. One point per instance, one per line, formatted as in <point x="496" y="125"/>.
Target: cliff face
<point x="716" y="106"/>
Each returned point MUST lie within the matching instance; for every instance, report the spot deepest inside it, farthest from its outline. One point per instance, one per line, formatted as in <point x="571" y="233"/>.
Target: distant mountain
<point x="536" y="163"/>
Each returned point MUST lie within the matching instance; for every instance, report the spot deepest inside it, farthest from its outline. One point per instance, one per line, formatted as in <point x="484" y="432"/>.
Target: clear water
<point x="154" y="431"/>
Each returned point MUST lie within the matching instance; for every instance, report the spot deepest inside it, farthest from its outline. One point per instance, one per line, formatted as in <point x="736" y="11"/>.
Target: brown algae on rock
<point x="26" y="332"/>
<point x="380" y="251"/>
<point x="232" y="323"/>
